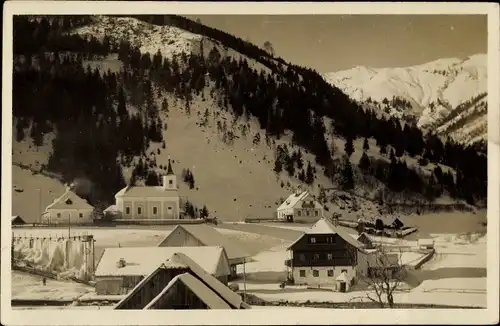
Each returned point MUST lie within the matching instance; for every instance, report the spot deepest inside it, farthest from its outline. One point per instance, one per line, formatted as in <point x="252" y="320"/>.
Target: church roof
<point x="169" y="168"/>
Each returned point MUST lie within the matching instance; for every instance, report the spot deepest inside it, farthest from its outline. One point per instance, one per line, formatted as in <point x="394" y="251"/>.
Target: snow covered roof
<point x="146" y="191"/>
<point x="202" y="291"/>
<point x="343" y="277"/>
<point x="294" y="198"/>
<point x="179" y="260"/>
<point x="111" y="209"/>
<point x="17" y="220"/>
<point x="325" y="227"/>
<point x="141" y="261"/>
<point x="69" y="200"/>
<point x="209" y="236"/>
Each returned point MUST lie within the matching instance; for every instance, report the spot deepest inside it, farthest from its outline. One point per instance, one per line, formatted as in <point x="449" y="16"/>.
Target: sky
<point x="330" y="43"/>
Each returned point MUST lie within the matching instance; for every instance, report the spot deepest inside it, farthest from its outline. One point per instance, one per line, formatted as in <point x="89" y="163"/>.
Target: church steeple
<point x="170" y="179"/>
<point x="170" y="171"/>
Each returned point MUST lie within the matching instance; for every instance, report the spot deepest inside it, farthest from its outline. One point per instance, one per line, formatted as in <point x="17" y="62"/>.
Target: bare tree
<point x="384" y="275"/>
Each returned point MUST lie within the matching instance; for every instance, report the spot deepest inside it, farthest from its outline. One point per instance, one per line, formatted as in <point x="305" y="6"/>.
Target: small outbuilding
<point x="17" y="220"/>
<point x="365" y="239"/>
<point x="206" y="235"/>
<point x="120" y="269"/>
<point x="425" y="244"/>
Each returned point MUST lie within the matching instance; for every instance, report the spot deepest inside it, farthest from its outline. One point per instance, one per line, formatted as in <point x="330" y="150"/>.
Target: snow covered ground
<point x="29" y="287"/>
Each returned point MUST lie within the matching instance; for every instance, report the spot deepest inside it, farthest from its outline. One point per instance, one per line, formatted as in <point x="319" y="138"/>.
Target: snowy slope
<point x="448" y="95"/>
<point x="149" y="38"/>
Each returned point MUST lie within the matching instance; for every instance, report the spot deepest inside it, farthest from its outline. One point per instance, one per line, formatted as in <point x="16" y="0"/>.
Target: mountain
<point x="105" y="101"/>
<point x="447" y="95"/>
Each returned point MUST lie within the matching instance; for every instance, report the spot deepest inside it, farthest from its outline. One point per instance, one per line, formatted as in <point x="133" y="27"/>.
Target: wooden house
<point x="300" y="207"/>
<point x="323" y="253"/>
<point x="120" y="269"/>
<point x="180" y="283"/>
<point x="206" y="235"/>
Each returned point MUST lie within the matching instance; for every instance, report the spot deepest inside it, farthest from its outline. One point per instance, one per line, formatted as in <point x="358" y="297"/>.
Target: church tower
<point x="170" y="180"/>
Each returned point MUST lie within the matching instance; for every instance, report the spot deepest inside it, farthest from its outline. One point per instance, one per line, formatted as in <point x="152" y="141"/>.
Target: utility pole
<point x="244" y="281"/>
<point x="39" y="219"/>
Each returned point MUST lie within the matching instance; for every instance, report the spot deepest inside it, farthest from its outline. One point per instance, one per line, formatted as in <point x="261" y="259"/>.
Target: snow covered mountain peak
<point x="448" y="94"/>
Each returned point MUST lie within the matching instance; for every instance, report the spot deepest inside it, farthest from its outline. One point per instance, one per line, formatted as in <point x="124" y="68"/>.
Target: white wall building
<point x="151" y="202"/>
<point x="68" y="208"/>
<point x="300" y="206"/>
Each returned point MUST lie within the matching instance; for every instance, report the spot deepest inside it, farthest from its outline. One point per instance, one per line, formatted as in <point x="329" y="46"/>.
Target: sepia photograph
<point x="305" y="163"/>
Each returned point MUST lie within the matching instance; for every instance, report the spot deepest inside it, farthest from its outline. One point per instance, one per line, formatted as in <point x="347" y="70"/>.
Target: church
<point x="150" y="202"/>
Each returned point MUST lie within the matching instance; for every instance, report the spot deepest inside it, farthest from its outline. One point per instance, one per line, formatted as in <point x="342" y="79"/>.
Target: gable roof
<point x="209" y="236"/>
<point x="292" y="200"/>
<point x="323" y="226"/>
<point x="140" y="261"/>
<point x="75" y="202"/>
<point x="146" y="191"/>
<point x="203" y="292"/>
<point x="17" y="220"/>
<point x="180" y="260"/>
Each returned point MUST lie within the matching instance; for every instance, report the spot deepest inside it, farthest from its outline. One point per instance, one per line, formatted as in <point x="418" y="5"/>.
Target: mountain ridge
<point x="264" y="120"/>
<point x="433" y="91"/>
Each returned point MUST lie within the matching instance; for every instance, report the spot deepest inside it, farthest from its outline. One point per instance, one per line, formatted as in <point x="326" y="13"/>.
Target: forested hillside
<point x="107" y="121"/>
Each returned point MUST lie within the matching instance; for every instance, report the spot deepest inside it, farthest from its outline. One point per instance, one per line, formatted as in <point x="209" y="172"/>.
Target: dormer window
<point x="69" y="201"/>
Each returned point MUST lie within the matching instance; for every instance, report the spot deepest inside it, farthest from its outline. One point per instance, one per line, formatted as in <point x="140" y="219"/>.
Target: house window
<point x="312" y="240"/>
<point x="330" y="256"/>
<point x="315" y="273"/>
<point x="344" y="271"/>
<point x="59" y="215"/>
<point x="80" y="215"/>
<point x="316" y="257"/>
<point x="330" y="273"/>
<point x="170" y="182"/>
<point x="302" y="257"/>
<point x="299" y="213"/>
<point x="316" y="213"/>
<point x="302" y="273"/>
<point x="69" y="201"/>
<point x="127" y="210"/>
<point x="139" y="210"/>
<point x="169" y="208"/>
<point x="155" y="210"/>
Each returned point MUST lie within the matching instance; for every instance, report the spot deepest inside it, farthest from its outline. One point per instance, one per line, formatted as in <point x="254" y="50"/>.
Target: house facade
<point x="150" y="202"/>
<point x="325" y="254"/>
<point x="206" y="235"/>
<point x="300" y="207"/>
<point x="120" y="269"/>
<point x="68" y="208"/>
<point x="181" y="283"/>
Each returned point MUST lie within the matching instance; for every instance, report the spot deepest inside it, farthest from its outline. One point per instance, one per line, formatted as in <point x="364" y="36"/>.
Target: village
<point x="148" y="255"/>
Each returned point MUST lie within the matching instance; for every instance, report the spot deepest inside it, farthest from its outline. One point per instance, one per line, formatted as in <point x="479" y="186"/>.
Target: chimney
<point x="121" y="263"/>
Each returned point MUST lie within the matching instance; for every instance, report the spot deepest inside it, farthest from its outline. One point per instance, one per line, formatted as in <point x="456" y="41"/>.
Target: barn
<point x="180" y="283"/>
<point x="205" y="235"/>
<point x="120" y="269"/>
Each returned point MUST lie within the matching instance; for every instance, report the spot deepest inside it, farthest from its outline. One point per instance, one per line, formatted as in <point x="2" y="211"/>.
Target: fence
<point x="81" y="245"/>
